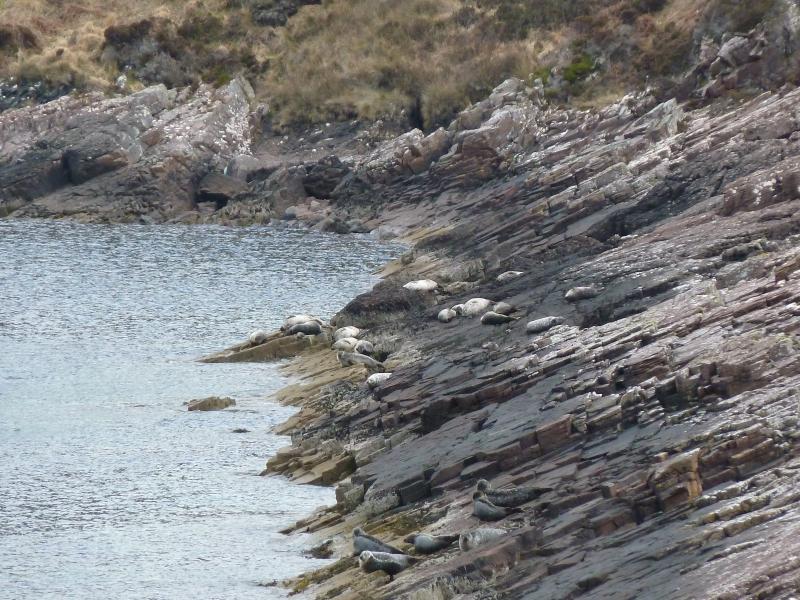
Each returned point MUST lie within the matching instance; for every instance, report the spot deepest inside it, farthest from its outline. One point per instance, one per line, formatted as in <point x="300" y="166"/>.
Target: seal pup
<point x="388" y="562"/>
<point x="259" y="336"/>
<point x="446" y="315"/>
<point x="475" y="306"/>
<point x="307" y="328"/>
<point x="347" y="344"/>
<point x="493" y="318"/>
<point x="543" y="324"/>
<point x="376" y="379"/>
<point x="485" y="510"/>
<point x="346" y="332"/>
<point x="425" y="543"/>
<point x="581" y="293"/>
<point x="347" y="359"/>
<point x="509" y="276"/>
<point x="510" y="497"/>
<point x="421" y="285"/>
<point x="363" y="541"/>
<point x="478" y="537"/>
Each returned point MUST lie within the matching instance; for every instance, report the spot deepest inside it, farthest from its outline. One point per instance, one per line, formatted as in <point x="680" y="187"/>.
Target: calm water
<point x="109" y="488"/>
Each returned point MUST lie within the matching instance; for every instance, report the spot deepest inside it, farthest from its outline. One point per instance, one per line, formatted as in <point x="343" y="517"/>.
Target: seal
<point x="347" y="344"/>
<point x="446" y="315"/>
<point x="512" y="496"/>
<point x="504" y="308"/>
<point x="389" y="563"/>
<point x="475" y="306"/>
<point x="307" y="328"/>
<point x="297" y="319"/>
<point x="425" y="543"/>
<point x="364" y="347"/>
<point x="346" y="332"/>
<point x="485" y="510"/>
<point x="543" y="324"/>
<point x="364" y="541"/>
<point x="421" y="285"/>
<point x="478" y="537"/>
<point x="493" y="318"/>
<point x="458" y="309"/>
<point x="347" y="359"/>
<point x="376" y="379"/>
<point x="259" y="336"/>
<point x="580" y="293"/>
<point x="509" y="276"/>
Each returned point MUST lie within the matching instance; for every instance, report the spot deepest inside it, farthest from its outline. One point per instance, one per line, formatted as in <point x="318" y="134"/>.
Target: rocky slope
<point x="656" y="403"/>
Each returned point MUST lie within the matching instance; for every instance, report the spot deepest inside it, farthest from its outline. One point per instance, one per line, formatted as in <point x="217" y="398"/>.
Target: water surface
<point x="109" y="488"/>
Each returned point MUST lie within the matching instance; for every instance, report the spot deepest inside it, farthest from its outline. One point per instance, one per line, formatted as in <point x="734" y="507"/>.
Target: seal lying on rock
<point x="509" y="276"/>
<point x="363" y="541"/>
<point x="504" y="308"/>
<point x="543" y="324"/>
<point x="307" y="328"/>
<point x="421" y="285"/>
<point x="475" y="306"/>
<point x="346" y="332"/>
<point x="389" y="563"/>
<point x="347" y="359"/>
<point x="259" y="336"/>
<point x="446" y="315"/>
<point x="509" y="497"/>
<point x="347" y="344"/>
<point x="493" y="318"/>
<point x="458" y="309"/>
<point x="485" y="510"/>
<point x="425" y="543"/>
<point x="477" y="537"/>
<point x="365" y="347"/>
<point x="376" y="379"/>
<point x="297" y="319"/>
<point x="580" y="293"/>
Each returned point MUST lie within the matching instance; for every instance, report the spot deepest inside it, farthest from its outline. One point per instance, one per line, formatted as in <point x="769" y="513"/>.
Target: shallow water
<point x="109" y="488"/>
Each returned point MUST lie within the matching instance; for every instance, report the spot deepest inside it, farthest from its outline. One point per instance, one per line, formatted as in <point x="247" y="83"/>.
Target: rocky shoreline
<point x="646" y="376"/>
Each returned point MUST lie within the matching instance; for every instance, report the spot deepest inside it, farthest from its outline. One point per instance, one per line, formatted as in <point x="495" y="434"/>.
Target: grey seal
<point x="475" y="306"/>
<point x="297" y="319"/>
<point x="364" y="347"/>
<point x="421" y="285"/>
<point x="347" y="359"/>
<point x="446" y="315"/>
<point x="425" y="543"/>
<point x="493" y="318"/>
<point x="346" y="332"/>
<point x="510" y="497"/>
<point x="364" y="541"/>
<point x="477" y="537"/>
<point x="389" y="563"/>
<point x="504" y="308"/>
<point x="259" y="336"/>
<point x="347" y="344"/>
<point x="543" y="324"/>
<point x="307" y="328"/>
<point x="485" y="510"/>
<point x="509" y="276"/>
<point x="581" y="293"/>
<point x="376" y="379"/>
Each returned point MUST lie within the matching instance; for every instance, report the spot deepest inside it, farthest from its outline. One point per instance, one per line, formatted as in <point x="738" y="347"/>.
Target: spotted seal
<point x="485" y="510"/>
<point x="446" y="315"/>
<point x="376" y="379"/>
<point x="307" y="328"/>
<point x="259" y="336"/>
<point x="346" y="332"/>
<point x="493" y="318"/>
<point x="347" y="359"/>
<point x="478" y="537"/>
<point x="543" y="324"/>
<point x="475" y="306"/>
<point x="421" y="285"/>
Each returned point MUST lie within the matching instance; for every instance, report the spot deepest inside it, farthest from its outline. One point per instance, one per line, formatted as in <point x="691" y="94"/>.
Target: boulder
<point x="219" y="189"/>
